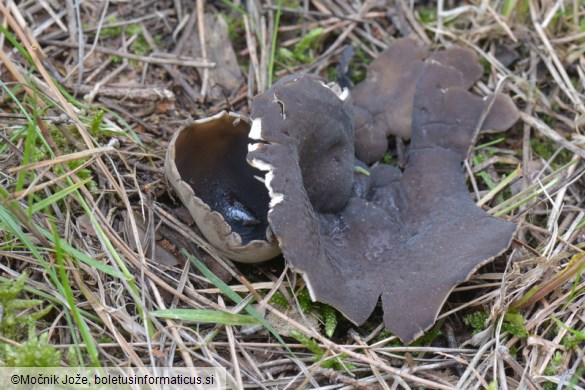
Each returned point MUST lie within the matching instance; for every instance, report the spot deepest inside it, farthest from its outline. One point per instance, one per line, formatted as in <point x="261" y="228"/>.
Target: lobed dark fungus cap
<point x="305" y="131"/>
<point x="446" y="115"/>
<point x="321" y="142"/>
<point x="384" y="100"/>
<point x="462" y="59"/>
<point x="206" y="165"/>
<point x="409" y="237"/>
<point x="449" y="236"/>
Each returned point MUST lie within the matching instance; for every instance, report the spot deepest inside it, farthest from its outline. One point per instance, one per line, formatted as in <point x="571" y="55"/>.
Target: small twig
<point x="13" y="70"/>
<point x="504" y="353"/>
<point x="232" y="346"/>
<point x="131" y="93"/>
<point x="81" y="47"/>
<point x="61" y="159"/>
<point x="53" y="15"/>
<point x="201" y="29"/>
<point x="545" y="130"/>
<point x="292" y="11"/>
<point x="564" y="81"/>
<point x="130" y="56"/>
<point x="336" y="377"/>
<point x="340" y="349"/>
<point x="251" y="42"/>
<point x="413" y="23"/>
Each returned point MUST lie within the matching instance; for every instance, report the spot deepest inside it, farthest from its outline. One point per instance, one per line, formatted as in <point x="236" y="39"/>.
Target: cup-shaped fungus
<point x="206" y="165"/>
<point x="409" y="237"/>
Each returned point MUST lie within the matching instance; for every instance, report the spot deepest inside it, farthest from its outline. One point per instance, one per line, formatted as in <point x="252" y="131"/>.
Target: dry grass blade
<point x="62" y="159"/>
<point x="150" y="59"/>
<point x="553" y="135"/>
<point x="85" y="210"/>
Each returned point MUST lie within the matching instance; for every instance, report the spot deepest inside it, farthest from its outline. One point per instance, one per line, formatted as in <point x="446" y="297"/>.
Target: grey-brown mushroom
<point x="409" y="237"/>
<point x="406" y="237"/>
<point x="206" y="165"/>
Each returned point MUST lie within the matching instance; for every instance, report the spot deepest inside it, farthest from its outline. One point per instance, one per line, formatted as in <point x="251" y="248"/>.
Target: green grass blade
<point x="17" y="45"/>
<point x="52" y="299"/>
<point x="78" y="255"/>
<point x="499" y="187"/>
<point x="228" y="292"/>
<point x="273" y="48"/>
<point x="68" y="294"/>
<point x="529" y="193"/>
<point x="207" y="316"/>
<point x="579" y="335"/>
<point x="44" y="203"/>
<point x="490" y="143"/>
<point x="237" y="8"/>
<point x="13" y="227"/>
<point x="508" y="7"/>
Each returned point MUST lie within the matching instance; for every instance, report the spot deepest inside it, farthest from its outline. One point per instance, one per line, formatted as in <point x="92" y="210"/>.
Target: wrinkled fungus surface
<point x="384" y="100"/>
<point x="407" y="237"/>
